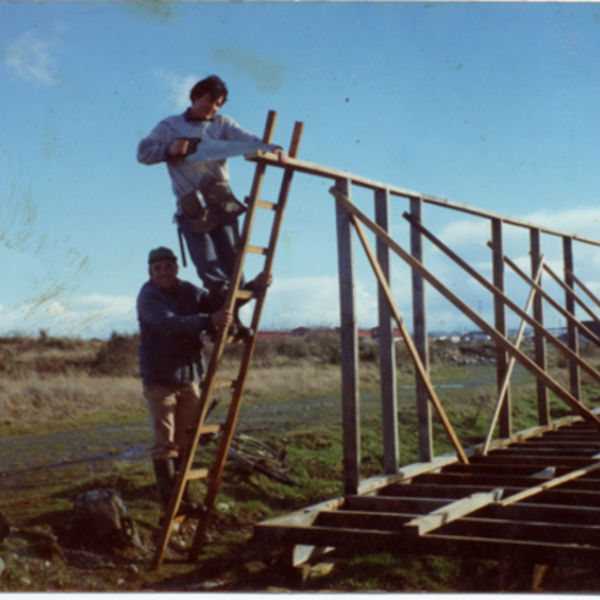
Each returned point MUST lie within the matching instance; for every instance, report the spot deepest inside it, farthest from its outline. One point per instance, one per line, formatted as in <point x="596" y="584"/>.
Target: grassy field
<point x="72" y="419"/>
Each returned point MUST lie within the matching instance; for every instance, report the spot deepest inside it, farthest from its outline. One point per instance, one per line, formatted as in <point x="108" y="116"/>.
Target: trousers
<point x="173" y="409"/>
<point x="213" y="253"/>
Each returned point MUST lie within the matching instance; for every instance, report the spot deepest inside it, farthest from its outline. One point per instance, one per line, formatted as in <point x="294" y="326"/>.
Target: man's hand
<point x="222" y="317"/>
<point x="179" y="147"/>
<point x="281" y="155"/>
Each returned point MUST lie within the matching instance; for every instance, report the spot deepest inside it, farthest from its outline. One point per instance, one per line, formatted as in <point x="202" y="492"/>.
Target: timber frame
<point x="530" y="494"/>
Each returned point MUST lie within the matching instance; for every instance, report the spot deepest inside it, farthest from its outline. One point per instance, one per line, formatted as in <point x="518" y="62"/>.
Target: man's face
<point x="206" y="107"/>
<point x="163" y="273"/>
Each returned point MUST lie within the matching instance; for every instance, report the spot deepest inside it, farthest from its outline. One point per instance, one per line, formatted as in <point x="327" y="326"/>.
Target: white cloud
<point x="178" y="88"/>
<point x="314" y="301"/>
<point x="33" y="58"/>
<point x="82" y="316"/>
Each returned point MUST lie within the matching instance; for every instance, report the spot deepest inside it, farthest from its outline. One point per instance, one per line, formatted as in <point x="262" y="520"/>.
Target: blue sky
<point x="489" y="104"/>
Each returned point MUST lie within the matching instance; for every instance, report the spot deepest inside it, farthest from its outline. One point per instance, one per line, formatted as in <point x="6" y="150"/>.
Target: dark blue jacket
<point x="170" y="327"/>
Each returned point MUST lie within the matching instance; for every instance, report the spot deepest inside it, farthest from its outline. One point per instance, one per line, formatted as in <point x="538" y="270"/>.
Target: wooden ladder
<point x="211" y="382"/>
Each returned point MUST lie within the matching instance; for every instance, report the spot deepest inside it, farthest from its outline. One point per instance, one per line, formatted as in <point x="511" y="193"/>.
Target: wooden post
<point x="500" y="324"/>
<point x="572" y="331"/>
<point x="420" y="336"/>
<point x="539" y="339"/>
<point x="389" y="409"/>
<point x="349" y="345"/>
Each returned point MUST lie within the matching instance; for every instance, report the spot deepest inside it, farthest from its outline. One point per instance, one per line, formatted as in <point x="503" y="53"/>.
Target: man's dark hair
<point x="212" y="85"/>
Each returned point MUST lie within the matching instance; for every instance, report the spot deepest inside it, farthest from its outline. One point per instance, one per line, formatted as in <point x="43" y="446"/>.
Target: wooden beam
<point x="412" y="350"/>
<point x="573" y="356"/>
<point x="451" y="512"/>
<point x="349" y="346"/>
<point x="571" y="296"/>
<point x="583" y="286"/>
<point x="539" y="340"/>
<point x="335" y="174"/>
<point x="532" y="491"/>
<point x="387" y="349"/>
<point x="555" y="305"/>
<point x="510" y="303"/>
<point x="421" y="338"/>
<point x="572" y="331"/>
<point x="502" y="382"/>
<point x="509" y="370"/>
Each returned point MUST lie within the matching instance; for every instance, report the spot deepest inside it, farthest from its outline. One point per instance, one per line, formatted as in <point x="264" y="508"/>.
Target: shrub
<point x="118" y="357"/>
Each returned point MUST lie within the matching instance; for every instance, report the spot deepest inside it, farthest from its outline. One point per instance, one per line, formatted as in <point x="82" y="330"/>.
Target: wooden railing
<point x="508" y="353"/>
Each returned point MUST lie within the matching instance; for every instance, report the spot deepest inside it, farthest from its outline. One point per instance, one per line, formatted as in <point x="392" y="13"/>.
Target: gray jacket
<point x="187" y="177"/>
<point x="170" y="327"/>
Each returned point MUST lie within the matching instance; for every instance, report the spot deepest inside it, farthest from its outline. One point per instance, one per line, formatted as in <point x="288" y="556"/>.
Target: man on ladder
<point x="172" y="316"/>
<point x="195" y="147"/>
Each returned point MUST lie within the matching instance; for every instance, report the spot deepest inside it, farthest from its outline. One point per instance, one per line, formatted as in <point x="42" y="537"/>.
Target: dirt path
<point x="58" y="456"/>
<point x="55" y="458"/>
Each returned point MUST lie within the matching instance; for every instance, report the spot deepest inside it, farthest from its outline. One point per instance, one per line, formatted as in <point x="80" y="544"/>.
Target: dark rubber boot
<point x="186" y="495"/>
<point x="237" y="329"/>
<point x="165" y="473"/>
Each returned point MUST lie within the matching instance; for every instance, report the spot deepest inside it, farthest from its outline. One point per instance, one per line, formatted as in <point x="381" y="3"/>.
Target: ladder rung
<point x="211" y="428"/>
<point x="267" y="205"/>
<point x="222" y="384"/>
<point x="244" y="294"/>
<point x="257" y="250"/>
<point x="232" y="339"/>
<point x="197" y="474"/>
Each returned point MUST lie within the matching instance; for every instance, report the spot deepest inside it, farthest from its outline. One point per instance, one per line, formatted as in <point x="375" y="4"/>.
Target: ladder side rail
<point x="229" y="428"/>
<point x="219" y="344"/>
<point x="244" y="242"/>
<point x="209" y="379"/>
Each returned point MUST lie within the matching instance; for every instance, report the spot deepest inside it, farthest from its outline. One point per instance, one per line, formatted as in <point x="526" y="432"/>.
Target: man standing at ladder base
<point x="172" y="315"/>
<point x="207" y="211"/>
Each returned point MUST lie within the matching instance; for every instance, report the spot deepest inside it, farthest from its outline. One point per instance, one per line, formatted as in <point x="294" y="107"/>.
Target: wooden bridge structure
<point x="533" y="495"/>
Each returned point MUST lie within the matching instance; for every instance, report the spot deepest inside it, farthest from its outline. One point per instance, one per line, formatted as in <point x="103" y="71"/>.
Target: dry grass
<point x="36" y="398"/>
<point x="53" y="379"/>
<point x="41" y="398"/>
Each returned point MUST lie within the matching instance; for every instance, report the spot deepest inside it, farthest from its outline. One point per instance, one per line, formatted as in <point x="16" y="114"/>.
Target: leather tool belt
<point x="222" y="207"/>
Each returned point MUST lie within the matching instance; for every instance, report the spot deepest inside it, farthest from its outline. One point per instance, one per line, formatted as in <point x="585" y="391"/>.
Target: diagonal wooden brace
<point x="502" y="340"/>
<point x="412" y="349"/>
<point x="437" y="518"/>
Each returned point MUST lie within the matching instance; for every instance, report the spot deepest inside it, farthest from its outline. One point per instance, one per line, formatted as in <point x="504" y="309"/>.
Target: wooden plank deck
<point x="536" y="499"/>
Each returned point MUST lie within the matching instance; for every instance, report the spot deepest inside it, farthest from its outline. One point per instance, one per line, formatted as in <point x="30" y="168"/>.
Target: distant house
<point x="592" y="326"/>
<point x="474" y="336"/>
<point x="272" y="335"/>
<point x="300" y="331"/>
<point x="375" y="333"/>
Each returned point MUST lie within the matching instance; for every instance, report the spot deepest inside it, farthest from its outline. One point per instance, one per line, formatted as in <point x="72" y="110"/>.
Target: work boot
<point x="186" y="493"/>
<point x="237" y="329"/>
<point x="165" y="474"/>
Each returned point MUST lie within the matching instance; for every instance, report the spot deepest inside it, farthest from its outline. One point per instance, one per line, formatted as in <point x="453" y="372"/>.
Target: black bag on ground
<point x="105" y="519"/>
